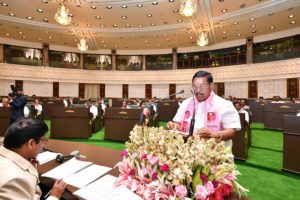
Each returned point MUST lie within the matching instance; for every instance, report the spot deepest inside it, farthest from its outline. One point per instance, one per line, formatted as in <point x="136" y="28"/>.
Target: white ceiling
<point x="165" y="29"/>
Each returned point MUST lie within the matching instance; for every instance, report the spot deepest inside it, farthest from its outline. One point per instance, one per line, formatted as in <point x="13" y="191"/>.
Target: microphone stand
<point x="192" y="125"/>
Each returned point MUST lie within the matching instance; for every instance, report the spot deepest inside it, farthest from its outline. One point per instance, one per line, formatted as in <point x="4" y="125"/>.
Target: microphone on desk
<point x="61" y="158"/>
<point x="192" y="125"/>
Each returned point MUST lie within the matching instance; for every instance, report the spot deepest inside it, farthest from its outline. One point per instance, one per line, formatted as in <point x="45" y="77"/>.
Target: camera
<point x="14" y="92"/>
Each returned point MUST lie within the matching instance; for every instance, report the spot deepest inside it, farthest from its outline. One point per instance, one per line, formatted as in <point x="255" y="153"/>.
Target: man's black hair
<point x="204" y="74"/>
<point x="22" y="131"/>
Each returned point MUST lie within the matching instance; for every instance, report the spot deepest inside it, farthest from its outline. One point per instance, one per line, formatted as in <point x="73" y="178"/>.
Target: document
<point x="86" y="176"/>
<point x="46" y="156"/>
<point x="104" y="189"/>
<point x="67" y="169"/>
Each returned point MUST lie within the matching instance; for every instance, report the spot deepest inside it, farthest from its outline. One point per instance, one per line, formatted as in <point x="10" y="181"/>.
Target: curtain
<point x="91" y="91"/>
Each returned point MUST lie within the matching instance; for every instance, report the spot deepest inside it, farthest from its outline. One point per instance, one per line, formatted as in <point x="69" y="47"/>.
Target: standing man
<point x="17" y="103"/>
<point x="22" y="142"/>
<point x="215" y="117"/>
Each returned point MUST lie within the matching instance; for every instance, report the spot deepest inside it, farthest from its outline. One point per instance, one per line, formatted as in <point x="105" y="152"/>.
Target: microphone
<point x="180" y="92"/>
<point x="61" y="158"/>
<point x="192" y="125"/>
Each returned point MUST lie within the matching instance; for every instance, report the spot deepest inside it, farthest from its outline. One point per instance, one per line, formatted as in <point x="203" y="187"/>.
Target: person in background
<point x="294" y="100"/>
<point x="261" y="100"/>
<point x="244" y="105"/>
<point x="215" y="117"/>
<point x="22" y="142"/>
<point x="93" y="109"/>
<point x="5" y="102"/>
<point x="238" y="107"/>
<point x="276" y="99"/>
<point x="37" y="107"/>
<point x="17" y="103"/>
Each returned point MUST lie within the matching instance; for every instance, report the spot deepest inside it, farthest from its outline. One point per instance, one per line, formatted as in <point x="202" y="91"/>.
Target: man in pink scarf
<point x="215" y="117"/>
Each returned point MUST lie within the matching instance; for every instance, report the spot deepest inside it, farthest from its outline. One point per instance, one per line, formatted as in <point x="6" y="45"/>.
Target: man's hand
<point x="206" y="133"/>
<point x="173" y="125"/>
<point x="58" y="188"/>
<point x="34" y="162"/>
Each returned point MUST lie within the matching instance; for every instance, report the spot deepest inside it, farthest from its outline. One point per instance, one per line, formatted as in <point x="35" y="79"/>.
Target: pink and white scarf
<point x="212" y="120"/>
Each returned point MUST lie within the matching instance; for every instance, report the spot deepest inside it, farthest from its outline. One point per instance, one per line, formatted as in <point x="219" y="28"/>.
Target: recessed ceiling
<point x="128" y="24"/>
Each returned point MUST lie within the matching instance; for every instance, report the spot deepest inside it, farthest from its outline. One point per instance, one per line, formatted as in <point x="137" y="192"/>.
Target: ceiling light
<point x="109" y="7"/>
<point x="93" y="7"/>
<point x="252" y="19"/>
<point x="128" y="26"/>
<point x="292" y="22"/>
<point x="45" y="20"/>
<point x="191" y="37"/>
<point x="155" y="3"/>
<point x="238" y="35"/>
<point x="139" y="5"/>
<point x="220" y="26"/>
<point x="29" y="17"/>
<point x="235" y="23"/>
<point x="188" y="8"/>
<point x="82" y="46"/>
<point x="149" y="15"/>
<point x="141" y="25"/>
<point x="180" y="20"/>
<point x="153" y="24"/>
<point x="7" y="34"/>
<point x="98" y="17"/>
<point x="124" y="6"/>
<point x="224" y="10"/>
<point x="124" y="17"/>
<point x="102" y="26"/>
<point x="272" y="27"/>
<point x="20" y="32"/>
<point x="62" y="15"/>
<point x="175" y="11"/>
<point x="40" y="39"/>
<point x="88" y="25"/>
<point x="40" y="10"/>
<point x="50" y="37"/>
<point x="11" y="14"/>
<point x="71" y="15"/>
<point x="171" y="1"/>
<point x="146" y="41"/>
<point x="4" y="4"/>
<point x="253" y="25"/>
<point x="202" y="39"/>
<point x="45" y="1"/>
<point x="115" y="25"/>
<point x="291" y="16"/>
<point x="254" y="31"/>
<point x="75" y="24"/>
<point x="224" y="32"/>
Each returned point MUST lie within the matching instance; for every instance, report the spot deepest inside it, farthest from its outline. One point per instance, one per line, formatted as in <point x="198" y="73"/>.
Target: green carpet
<point x="261" y="172"/>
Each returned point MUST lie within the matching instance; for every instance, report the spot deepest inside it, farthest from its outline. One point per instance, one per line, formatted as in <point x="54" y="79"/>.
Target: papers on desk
<point x="67" y="169"/>
<point x="86" y="176"/>
<point x="104" y="189"/>
<point x="46" y="156"/>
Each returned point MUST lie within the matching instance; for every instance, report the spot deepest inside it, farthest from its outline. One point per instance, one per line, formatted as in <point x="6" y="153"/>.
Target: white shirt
<point x="103" y="106"/>
<point x="26" y="111"/>
<point x="94" y="111"/>
<point x="38" y="108"/>
<point x="246" y="114"/>
<point x="298" y="114"/>
<point x="228" y="114"/>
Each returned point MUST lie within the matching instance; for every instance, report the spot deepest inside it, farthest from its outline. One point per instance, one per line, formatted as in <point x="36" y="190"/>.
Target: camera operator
<point x="17" y="103"/>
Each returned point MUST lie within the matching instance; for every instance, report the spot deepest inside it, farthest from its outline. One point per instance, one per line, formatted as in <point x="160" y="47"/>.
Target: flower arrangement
<point x="159" y="164"/>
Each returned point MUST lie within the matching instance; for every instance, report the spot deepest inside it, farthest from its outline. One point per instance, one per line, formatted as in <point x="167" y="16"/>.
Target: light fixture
<point x="202" y="40"/>
<point x="82" y="46"/>
<point x="188" y="8"/>
<point x="62" y="16"/>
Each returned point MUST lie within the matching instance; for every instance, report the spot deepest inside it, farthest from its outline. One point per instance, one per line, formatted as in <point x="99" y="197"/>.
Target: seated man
<point x="22" y="142"/>
<point x="238" y="107"/>
<point x="93" y="109"/>
<point x="5" y="102"/>
<point x="37" y="108"/>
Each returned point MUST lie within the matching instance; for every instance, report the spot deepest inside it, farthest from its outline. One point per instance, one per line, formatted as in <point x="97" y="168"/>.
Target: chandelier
<point x="62" y="15"/>
<point x="82" y="46"/>
<point x="202" y="40"/>
<point x="188" y="8"/>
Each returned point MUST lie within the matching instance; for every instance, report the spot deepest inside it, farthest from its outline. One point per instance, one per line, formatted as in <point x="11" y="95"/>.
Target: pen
<point x="48" y="193"/>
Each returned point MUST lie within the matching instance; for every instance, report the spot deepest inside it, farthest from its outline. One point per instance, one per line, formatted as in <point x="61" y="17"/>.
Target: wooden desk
<point x="4" y="119"/>
<point x="48" y="105"/>
<point x="167" y="110"/>
<point x="274" y="112"/>
<point x="71" y="123"/>
<point x="291" y="143"/>
<point x="240" y="142"/>
<point x="257" y="110"/>
<point x="97" y="155"/>
<point x="119" y="122"/>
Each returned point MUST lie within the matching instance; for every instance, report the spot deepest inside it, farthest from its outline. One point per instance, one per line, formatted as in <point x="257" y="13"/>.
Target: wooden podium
<point x="4" y="119"/>
<point x="257" y="110"/>
<point x="119" y="122"/>
<point x="71" y="123"/>
<point x="274" y="112"/>
<point x="291" y="143"/>
<point x="48" y="105"/>
<point x="240" y="142"/>
<point x="167" y="110"/>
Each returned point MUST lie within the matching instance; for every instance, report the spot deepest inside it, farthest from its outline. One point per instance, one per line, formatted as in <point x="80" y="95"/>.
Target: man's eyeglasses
<point x="200" y="86"/>
<point x="44" y="140"/>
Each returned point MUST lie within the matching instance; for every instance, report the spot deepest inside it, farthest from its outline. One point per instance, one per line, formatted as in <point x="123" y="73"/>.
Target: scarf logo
<point x="211" y="116"/>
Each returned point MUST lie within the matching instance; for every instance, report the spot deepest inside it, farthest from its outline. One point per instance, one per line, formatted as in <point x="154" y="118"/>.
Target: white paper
<point x="104" y="189"/>
<point x="46" y="156"/>
<point x="86" y="176"/>
<point x="67" y="169"/>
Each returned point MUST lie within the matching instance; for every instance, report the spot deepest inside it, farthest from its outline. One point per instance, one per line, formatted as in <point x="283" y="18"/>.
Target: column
<point x="249" y="53"/>
<point x="144" y="62"/>
<point x="1" y="53"/>
<point x="114" y="59"/>
<point x="46" y="55"/>
<point x="81" y="60"/>
<point x="174" y="60"/>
